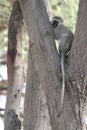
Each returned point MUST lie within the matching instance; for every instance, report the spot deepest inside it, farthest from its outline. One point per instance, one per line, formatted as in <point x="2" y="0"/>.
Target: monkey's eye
<point x="55" y="23"/>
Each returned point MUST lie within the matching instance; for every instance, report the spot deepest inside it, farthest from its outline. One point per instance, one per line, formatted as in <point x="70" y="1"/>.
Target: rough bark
<point x="46" y="64"/>
<point x="35" y="108"/>
<point x="36" y="116"/>
<point x="14" y="67"/>
<point x="78" y="65"/>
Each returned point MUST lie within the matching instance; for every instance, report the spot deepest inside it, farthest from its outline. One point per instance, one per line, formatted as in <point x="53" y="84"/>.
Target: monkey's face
<point x="56" y="21"/>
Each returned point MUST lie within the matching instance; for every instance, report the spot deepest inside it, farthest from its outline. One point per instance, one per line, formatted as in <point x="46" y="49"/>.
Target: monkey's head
<point x="56" y="20"/>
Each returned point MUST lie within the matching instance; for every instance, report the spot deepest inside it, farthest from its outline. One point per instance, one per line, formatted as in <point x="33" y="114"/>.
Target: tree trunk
<point x="14" y="67"/>
<point x="46" y="61"/>
<point x="35" y="100"/>
<point x="45" y="58"/>
<point x="36" y="115"/>
<point x="78" y="65"/>
<point x="35" y="108"/>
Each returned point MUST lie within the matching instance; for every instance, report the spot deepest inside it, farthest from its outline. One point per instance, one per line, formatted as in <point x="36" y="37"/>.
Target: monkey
<point x="65" y="37"/>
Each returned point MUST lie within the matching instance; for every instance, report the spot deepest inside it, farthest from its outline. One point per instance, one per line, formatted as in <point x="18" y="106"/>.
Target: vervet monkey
<point x="65" y="37"/>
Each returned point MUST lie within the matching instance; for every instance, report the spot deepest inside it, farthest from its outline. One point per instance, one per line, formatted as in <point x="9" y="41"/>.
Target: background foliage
<point x="5" y="9"/>
<point x="67" y="9"/>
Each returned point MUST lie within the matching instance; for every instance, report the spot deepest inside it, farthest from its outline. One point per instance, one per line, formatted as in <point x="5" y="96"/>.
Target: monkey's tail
<point x="63" y="82"/>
